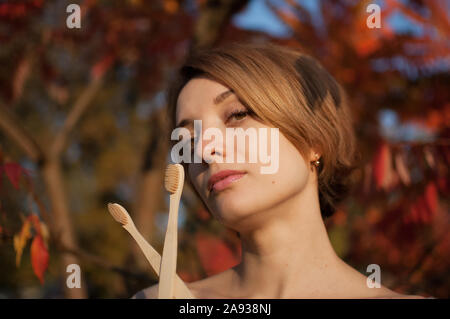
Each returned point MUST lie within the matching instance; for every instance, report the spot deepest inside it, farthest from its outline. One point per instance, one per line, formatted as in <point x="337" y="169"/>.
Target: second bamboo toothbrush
<point x="174" y="180"/>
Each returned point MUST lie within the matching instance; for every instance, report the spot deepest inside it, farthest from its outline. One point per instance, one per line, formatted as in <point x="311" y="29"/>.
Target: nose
<point x="209" y="145"/>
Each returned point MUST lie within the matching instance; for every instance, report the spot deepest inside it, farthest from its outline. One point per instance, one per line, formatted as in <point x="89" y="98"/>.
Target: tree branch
<point x="9" y="124"/>
<point x="102" y="263"/>
<point x="74" y="116"/>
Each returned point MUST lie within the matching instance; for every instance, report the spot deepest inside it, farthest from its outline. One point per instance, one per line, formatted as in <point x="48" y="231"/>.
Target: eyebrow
<point x="217" y="100"/>
<point x="222" y="96"/>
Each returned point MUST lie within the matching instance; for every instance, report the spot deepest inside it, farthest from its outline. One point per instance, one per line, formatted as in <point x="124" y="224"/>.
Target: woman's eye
<point x="238" y="115"/>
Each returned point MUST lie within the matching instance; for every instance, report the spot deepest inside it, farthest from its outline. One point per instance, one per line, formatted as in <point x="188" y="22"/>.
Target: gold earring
<point x="316" y="162"/>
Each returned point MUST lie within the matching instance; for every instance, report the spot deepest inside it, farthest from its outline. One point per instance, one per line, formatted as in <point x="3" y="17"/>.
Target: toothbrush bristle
<point x="118" y="213"/>
<point x="172" y="179"/>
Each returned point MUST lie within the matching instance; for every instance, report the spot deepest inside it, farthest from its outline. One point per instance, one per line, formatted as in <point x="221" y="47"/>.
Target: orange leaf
<point x="382" y="166"/>
<point x="102" y="66"/>
<point x="20" y="240"/>
<point x="39" y="257"/>
<point x="366" y="46"/>
<point x="171" y="6"/>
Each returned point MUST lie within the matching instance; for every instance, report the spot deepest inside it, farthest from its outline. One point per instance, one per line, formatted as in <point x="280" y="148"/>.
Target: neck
<point x="286" y="251"/>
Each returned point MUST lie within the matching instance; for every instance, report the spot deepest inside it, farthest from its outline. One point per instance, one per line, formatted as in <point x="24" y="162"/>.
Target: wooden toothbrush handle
<point x="169" y="255"/>
<point x="154" y="258"/>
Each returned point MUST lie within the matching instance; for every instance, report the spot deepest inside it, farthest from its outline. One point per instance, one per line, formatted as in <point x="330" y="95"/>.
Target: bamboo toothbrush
<point x="174" y="181"/>
<point x="121" y="216"/>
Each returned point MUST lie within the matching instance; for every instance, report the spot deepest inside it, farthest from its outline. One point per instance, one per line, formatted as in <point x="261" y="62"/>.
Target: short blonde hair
<point x="289" y="90"/>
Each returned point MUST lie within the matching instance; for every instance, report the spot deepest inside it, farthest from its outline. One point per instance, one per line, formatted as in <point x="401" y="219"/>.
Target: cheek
<point x="291" y="177"/>
<point x="294" y="171"/>
<point x="259" y="192"/>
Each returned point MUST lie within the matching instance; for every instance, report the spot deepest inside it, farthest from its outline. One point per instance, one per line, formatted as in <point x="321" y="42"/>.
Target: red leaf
<point x="37" y="3"/>
<point x="425" y="206"/>
<point x="442" y="184"/>
<point x="39" y="257"/>
<point x="424" y="212"/>
<point x="13" y="171"/>
<point x="202" y="214"/>
<point x="431" y="198"/>
<point x="187" y="276"/>
<point x="414" y="215"/>
<point x="215" y="255"/>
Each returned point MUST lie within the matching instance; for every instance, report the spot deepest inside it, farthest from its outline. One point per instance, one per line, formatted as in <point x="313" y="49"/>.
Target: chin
<point x="230" y="205"/>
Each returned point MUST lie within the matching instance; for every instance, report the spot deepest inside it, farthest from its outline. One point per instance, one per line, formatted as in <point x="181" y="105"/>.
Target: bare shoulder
<point x="360" y="288"/>
<point x="208" y="288"/>
<point x="386" y="293"/>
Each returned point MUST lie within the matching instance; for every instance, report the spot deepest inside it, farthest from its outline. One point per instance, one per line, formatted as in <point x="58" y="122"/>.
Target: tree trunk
<point x="61" y="224"/>
<point x="148" y="203"/>
<point x="150" y="189"/>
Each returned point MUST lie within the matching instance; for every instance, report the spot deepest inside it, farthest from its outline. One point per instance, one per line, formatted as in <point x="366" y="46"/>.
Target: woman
<point x="286" y="252"/>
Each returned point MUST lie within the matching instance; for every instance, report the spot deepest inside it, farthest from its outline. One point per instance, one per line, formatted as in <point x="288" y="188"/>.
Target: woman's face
<point x="236" y="203"/>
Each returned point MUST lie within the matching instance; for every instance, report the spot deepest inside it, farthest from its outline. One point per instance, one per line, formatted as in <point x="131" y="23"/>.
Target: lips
<point x="223" y="178"/>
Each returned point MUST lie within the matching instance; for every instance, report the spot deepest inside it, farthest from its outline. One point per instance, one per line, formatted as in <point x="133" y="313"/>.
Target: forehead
<point x="197" y="93"/>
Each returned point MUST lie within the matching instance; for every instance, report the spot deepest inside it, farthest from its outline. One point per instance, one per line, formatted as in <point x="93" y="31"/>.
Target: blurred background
<point x="82" y="124"/>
